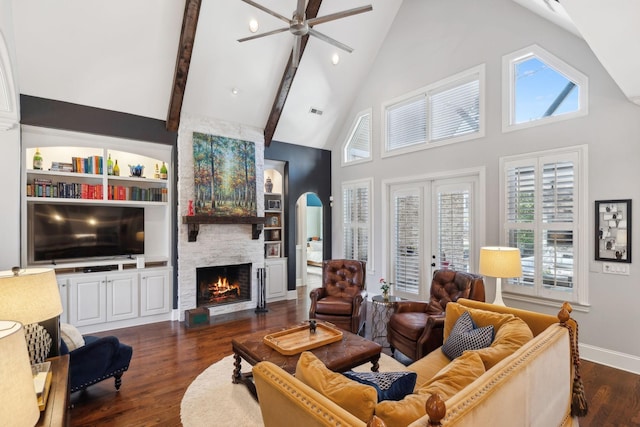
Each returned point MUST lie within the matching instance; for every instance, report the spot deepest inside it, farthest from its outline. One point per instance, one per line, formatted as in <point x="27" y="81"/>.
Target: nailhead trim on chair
<point x="104" y="377"/>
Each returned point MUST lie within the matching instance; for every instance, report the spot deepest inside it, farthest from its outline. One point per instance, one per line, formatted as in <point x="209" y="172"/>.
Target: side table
<point x="382" y="309"/>
<point x="56" y="410"/>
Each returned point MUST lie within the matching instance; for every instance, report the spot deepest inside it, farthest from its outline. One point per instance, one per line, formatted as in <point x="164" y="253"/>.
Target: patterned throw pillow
<point x="466" y="336"/>
<point x="38" y="342"/>
<point x="389" y="385"/>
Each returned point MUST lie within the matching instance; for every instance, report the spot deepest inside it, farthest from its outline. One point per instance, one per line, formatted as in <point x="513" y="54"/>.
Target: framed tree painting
<point x="613" y="230"/>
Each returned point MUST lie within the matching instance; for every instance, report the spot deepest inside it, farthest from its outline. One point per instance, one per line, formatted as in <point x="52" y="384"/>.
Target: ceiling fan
<point x="299" y="26"/>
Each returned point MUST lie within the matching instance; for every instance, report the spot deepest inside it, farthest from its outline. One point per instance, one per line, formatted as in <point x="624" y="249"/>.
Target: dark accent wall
<point x="306" y="170"/>
<point x="54" y="114"/>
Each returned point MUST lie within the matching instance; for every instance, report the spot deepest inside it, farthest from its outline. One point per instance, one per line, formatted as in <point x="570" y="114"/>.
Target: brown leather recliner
<point x="342" y="298"/>
<point x="416" y="327"/>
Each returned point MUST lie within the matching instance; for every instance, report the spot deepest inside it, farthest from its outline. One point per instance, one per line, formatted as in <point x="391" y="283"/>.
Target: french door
<point x="431" y="227"/>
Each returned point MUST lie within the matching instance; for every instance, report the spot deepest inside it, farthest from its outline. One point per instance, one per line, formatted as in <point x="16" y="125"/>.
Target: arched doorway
<point x="309" y="240"/>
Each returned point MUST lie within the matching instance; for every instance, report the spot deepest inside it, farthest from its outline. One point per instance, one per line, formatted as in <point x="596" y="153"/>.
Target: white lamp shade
<point x="18" y="401"/>
<point x="30" y="297"/>
<point x="499" y="261"/>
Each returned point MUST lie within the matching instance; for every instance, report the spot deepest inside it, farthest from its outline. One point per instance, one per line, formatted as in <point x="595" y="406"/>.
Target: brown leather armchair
<point x="416" y="327"/>
<point x="342" y="299"/>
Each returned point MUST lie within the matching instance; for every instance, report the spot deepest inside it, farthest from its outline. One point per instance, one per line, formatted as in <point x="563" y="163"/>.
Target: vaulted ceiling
<point x="163" y="58"/>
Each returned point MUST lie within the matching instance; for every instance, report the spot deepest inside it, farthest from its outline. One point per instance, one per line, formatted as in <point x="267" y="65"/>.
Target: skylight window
<point x="539" y="88"/>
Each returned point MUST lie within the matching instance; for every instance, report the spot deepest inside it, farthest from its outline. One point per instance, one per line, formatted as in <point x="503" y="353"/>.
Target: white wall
<point x="10" y="155"/>
<point x="431" y="40"/>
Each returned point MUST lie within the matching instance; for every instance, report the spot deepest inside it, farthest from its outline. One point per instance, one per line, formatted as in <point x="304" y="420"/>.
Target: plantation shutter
<point x="541" y="221"/>
<point x="359" y="145"/>
<point x="455" y="111"/>
<point x="407" y="123"/>
<point x="407" y="250"/>
<point x="453" y="228"/>
<point x="356" y="220"/>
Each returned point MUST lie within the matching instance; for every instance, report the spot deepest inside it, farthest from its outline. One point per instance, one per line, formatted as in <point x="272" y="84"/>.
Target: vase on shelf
<point x="268" y="185"/>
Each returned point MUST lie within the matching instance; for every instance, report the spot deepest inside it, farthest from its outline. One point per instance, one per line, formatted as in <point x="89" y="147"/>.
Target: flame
<point x="222" y="288"/>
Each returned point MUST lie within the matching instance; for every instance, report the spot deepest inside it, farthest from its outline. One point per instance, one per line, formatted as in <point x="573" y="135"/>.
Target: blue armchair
<point x="97" y="360"/>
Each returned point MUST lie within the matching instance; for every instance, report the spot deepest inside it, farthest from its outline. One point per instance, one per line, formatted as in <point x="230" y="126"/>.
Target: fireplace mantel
<point x="194" y="221"/>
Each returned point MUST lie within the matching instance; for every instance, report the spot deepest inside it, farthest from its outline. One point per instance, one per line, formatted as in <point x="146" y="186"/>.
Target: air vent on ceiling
<point x="315" y="111"/>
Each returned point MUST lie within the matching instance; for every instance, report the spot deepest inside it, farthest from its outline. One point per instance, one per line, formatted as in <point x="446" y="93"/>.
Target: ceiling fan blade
<point x="297" y="44"/>
<point x="300" y="9"/>
<point x="269" y="11"/>
<point x="329" y="40"/>
<point x="268" y="33"/>
<point x="338" y="15"/>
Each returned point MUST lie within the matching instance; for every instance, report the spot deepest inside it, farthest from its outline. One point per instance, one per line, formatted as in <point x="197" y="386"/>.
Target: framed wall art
<point x="613" y="230"/>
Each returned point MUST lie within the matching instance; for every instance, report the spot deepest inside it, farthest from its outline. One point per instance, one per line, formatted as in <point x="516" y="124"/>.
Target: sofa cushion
<point x="71" y="336"/>
<point x="466" y="336"/>
<point x="359" y="399"/>
<point x="509" y="338"/>
<point x="389" y="385"/>
<point x="455" y="376"/>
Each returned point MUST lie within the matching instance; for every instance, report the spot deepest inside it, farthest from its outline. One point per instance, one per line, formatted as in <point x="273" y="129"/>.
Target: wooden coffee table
<point x="340" y="356"/>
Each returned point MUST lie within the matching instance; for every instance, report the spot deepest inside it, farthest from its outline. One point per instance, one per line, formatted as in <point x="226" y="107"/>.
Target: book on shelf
<point x="42" y="382"/>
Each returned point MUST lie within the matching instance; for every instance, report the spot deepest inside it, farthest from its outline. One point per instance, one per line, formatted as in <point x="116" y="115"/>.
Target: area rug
<point x="212" y="399"/>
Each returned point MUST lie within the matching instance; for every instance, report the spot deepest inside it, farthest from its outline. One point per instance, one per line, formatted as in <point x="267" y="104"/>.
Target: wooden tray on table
<point x="300" y="338"/>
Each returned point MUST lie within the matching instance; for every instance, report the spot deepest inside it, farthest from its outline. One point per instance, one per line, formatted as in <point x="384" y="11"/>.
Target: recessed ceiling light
<point x="234" y="90"/>
<point x="253" y="25"/>
<point x="335" y="59"/>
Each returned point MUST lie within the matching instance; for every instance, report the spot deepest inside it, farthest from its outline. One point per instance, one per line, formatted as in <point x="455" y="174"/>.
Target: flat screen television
<point x="59" y="232"/>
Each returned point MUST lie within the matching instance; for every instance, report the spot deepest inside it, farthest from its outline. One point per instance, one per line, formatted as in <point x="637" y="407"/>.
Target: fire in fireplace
<point x="225" y="284"/>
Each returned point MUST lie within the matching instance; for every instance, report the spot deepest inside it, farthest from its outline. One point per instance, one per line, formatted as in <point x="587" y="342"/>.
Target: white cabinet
<point x="110" y="300"/>
<point x="155" y="292"/>
<point x="122" y="297"/>
<point x="87" y="300"/>
<point x="63" y="287"/>
<point x="276" y="278"/>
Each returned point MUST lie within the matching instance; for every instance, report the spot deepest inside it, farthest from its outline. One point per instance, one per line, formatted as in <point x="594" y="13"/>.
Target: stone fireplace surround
<point x="217" y="244"/>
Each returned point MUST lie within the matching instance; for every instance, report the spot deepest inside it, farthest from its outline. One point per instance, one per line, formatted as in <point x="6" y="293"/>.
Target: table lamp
<point x="30" y="296"/>
<point x="501" y="263"/>
<point x="18" y="401"/>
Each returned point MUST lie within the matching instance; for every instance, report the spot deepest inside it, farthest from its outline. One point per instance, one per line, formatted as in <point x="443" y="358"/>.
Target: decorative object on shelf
<point x="273" y="205"/>
<point x="218" y="160"/>
<point x="613" y="230"/>
<point x="273" y="250"/>
<point x="385" y="288"/>
<point x="109" y="165"/>
<point x="37" y="160"/>
<point x="501" y="263"/>
<point x="268" y="185"/>
<point x="163" y="171"/>
<point x="136" y="170"/>
<point x="190" y="208"/>
<point x="16" y="380"/>
<point x="156" y="172"/>
<point x="116" y="169"/>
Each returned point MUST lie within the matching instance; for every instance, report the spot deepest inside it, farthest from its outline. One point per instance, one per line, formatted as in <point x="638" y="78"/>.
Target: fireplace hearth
<point x="227" y="284"/>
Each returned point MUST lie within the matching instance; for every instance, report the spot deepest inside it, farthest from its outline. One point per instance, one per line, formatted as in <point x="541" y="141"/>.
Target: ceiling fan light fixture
<point x="253" y="25"/>
<point x="335" y="59"/>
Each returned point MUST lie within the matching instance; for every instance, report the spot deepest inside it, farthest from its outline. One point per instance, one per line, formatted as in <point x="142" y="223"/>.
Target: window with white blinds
<point x="358" y="144"/>
<point x="543" y="209"/>
<point x="447" y="111"/>
<point x="454" y="228"/>
<point x="407" y="242"/>
<point x="356" y="197"/>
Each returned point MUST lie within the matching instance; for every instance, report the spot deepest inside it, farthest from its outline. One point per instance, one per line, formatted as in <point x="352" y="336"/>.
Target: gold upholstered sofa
<point x="523" y="379"/>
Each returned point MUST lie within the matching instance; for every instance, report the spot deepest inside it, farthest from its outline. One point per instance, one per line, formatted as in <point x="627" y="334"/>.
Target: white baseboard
<point x="292" y="294"/>
<point x="614" y="359"/>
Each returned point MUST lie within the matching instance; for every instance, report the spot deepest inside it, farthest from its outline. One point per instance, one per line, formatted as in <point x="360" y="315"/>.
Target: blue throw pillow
<point x="466" y="336"/>
<point x="389" y="385"/>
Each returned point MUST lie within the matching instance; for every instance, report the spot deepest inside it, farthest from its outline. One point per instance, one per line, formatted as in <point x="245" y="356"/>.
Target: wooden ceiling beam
<point x="185" y="49"/>
<point x="287" y="79"/>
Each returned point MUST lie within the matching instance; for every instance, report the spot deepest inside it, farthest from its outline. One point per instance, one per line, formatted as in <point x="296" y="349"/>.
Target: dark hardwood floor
<point x="167" y="357"/>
